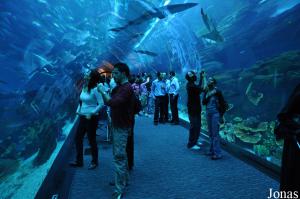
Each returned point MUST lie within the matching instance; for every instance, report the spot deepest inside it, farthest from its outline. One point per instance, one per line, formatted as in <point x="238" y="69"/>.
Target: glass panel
<point x="252" y="48"/>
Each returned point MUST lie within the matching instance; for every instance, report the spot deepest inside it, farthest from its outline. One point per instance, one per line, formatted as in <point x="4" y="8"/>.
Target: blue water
<point x="45" y="46"/>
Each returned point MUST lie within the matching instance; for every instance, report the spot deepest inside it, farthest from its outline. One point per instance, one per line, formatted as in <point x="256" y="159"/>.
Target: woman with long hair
<point x="213" y="98"/>
<point x="90" y="104"/>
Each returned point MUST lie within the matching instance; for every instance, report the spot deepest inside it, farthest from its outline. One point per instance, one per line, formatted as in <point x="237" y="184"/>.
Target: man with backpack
<point x="122" y="104"/>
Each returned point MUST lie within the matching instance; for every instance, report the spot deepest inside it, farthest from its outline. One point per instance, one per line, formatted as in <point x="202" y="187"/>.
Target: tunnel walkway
<point x="166" y="169"/>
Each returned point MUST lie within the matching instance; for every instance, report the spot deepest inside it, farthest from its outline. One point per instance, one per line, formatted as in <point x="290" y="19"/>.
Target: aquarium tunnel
<point x="48" y="47"/>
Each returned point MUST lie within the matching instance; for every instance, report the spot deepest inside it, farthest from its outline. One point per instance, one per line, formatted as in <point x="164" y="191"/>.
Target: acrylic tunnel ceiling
<point x="41" y="39"/>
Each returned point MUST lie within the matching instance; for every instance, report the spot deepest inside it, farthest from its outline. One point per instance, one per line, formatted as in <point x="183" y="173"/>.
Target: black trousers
<point x="159" y="109"/>
<point x="290" y="166"/>
<point x="88" y="126"/>
<point x="166" y="107"/>
<point x="174" y="108"/>
<point x="195" y="128"/>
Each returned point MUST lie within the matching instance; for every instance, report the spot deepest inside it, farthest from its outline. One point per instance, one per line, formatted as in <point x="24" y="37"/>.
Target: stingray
<point x="161" y="13"/>
<point x="213" y="34"/>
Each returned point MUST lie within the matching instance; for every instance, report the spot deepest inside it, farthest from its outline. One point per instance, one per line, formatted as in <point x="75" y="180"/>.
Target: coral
<point x="237" y="119"/>
<point x="227" y="132"/>
<point x="247" y="137"/>
<point x="249" y="130"/>
<point x="269" y="141"/>
<point x="252" y="124"/>
<point x="261" y="150"/>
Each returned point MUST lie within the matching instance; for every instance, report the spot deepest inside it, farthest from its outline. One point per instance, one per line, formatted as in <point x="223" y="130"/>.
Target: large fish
<point x="145" y="52"/>
<point x="205" y="19"/>
<point x="213" y="35"/>
<point x="161" y="12"/>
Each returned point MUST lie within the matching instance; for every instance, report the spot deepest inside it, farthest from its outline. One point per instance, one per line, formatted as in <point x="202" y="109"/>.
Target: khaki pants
<point x="120" y="136"/>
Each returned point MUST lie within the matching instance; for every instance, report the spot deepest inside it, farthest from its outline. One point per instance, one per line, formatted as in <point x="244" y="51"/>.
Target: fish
<point x="214" y="35"/>
<point x="160" y="13"/>
<point x="205" y="19"/>
<point x="152" y="54"/>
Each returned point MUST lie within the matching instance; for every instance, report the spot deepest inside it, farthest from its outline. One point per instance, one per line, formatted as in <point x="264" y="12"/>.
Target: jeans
<point x="213" y="131"/>
<point x="195" y="128"/>
<point x="120" y="136"/>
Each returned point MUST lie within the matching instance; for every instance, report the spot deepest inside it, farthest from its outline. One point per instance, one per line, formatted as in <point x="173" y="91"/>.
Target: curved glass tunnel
<point x="252" y="47"/>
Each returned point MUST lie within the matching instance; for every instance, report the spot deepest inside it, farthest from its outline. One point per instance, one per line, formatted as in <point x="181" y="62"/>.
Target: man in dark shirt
<point x="194" y="107"/>
<point x="122" y="114"/>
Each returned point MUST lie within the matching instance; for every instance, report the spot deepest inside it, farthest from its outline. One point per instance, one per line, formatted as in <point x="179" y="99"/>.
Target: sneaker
<point x="196" y="147"/>
<point x="92" y="166"/>
<point x="200" y="143"/>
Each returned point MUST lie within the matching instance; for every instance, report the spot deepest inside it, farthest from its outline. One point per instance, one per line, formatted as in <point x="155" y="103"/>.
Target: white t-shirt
<point x="174" y="86"/>
<point x="91" y="102"/>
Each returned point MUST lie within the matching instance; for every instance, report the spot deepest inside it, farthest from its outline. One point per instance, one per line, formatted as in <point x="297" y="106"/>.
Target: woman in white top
<point x="90" y="104"/>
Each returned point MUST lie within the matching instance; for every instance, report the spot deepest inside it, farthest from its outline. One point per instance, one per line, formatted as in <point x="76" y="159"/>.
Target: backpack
<point x="223" y="106"/>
